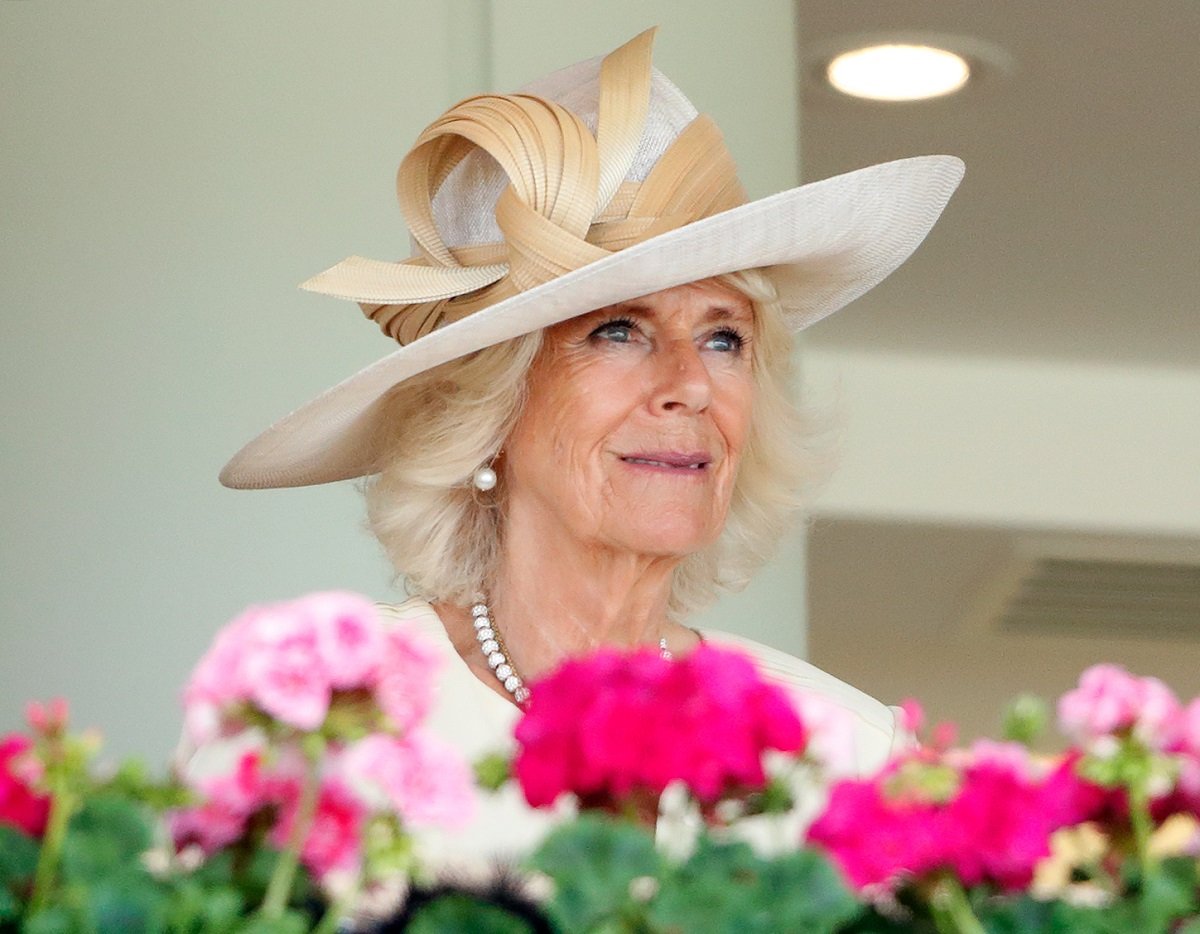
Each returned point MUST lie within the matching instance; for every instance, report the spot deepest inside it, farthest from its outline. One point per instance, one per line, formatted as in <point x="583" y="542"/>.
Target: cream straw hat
<point x="597" y="184"/>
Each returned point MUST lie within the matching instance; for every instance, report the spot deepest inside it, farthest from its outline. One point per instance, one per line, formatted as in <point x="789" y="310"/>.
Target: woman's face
<point x="635" y="422"/>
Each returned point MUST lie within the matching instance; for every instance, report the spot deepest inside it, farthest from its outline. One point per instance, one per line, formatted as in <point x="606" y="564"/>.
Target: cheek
<point x="735" y="410"/>
<point x="572" y="409"/>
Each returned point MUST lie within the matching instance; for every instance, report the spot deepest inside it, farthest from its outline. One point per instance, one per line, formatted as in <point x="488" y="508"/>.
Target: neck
<point x="556" y="597"/>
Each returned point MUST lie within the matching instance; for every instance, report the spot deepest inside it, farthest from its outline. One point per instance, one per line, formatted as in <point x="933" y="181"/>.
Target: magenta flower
<point x="333" y="843"/>
<point x="260" y="787"/>
<point x="615" y="725"/>
<point x="228" y="801"/>
<point x="986" y="814"/>
<point x="20" y="804"/>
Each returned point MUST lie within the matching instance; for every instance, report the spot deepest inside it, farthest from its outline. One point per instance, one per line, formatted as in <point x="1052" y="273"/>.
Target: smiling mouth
<point x="672" y="462"/>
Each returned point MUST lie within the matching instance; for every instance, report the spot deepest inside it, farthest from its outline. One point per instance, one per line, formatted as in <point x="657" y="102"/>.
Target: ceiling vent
<point x="1105" y="587"/>
<point x="1111" y="598"/>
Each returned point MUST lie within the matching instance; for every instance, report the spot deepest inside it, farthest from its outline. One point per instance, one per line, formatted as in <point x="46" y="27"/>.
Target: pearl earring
<point x="484" y="478"/>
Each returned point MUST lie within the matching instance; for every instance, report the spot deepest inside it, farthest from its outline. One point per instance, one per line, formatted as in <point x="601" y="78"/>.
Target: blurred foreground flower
<point x="616" y="729"/>
<point x="312" y="712"/>
<point x="21" y="806"/>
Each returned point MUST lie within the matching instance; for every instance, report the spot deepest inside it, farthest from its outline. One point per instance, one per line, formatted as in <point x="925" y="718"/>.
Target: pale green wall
<point x="168" y="173"/>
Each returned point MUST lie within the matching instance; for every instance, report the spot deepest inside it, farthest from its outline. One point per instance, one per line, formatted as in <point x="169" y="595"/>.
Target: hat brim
<point x="825" y="244"/>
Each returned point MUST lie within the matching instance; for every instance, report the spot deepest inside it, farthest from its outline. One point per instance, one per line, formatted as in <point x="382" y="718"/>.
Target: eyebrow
<point x="716" y="313"/>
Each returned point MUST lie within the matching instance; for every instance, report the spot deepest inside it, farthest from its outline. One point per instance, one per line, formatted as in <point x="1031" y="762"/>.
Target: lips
<point x="669" y="460"/>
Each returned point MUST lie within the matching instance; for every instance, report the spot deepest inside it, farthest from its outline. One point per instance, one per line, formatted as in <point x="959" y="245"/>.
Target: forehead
<point x="708" y="299"/>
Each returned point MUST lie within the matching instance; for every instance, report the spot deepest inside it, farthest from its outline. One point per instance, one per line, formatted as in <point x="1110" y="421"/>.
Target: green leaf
<point x="1169" y="892"/>
<point x="107" y="834"/>
<point x="493" y="771"/>
<point x="715" y="890"/>
<point x="807" y="893"/>
<point x="1015" y="915"/>
<point x="10" y="909"/>
<point x="727" y="887"/>
<point x="462" y="913"/>
<point x="196" y="908"/>
<point x="53" y="920"/>
<point x="292" y="922"/>
<point x="18" y="856"/>
<point x="127" y="902"/>
<point x="592" y="861"/>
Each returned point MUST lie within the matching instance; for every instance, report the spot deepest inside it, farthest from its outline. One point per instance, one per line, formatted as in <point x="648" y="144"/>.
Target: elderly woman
<point x="587" y="432"/>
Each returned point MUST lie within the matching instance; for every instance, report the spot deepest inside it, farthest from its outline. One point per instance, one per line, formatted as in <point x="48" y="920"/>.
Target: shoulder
<point x="875" y="722"/>
<point x="414" y="612"/>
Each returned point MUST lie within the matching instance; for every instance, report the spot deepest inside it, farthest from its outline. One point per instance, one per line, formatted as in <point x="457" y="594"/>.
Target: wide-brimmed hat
<point x="595" y="185"/>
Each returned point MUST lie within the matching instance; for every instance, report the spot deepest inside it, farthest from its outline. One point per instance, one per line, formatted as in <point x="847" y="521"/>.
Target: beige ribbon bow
<point x="567" y="203"/>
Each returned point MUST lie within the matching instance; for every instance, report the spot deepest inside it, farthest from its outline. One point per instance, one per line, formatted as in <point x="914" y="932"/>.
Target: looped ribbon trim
<point x="567" y="203"/>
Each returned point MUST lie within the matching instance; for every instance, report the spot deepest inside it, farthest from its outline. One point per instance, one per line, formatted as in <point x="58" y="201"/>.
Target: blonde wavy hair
<point x="444" y="537"/>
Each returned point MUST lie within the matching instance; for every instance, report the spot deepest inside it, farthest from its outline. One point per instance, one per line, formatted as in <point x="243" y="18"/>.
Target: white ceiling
<point x="1076" y="233"/>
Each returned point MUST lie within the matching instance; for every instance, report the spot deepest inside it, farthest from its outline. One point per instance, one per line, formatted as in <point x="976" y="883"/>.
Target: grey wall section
<point x="169" y="172"/>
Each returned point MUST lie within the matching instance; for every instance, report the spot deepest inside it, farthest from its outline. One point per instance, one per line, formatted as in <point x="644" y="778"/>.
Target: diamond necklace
<point x="492" y="646"/>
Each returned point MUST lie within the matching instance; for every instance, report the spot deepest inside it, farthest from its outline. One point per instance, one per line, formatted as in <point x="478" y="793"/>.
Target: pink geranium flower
<point x="291" y="660"/>
<point x="349" y="637"/>
<point x="1109" y="701"/>
<point x="986" y="814"/>
<point x="424" y="780"/>
<point x="617" y="725"/>
<point x="20" y="805"/>
<point x="258" y="785"/>
<point x="281" y="664"/>
<point x="333" y="843"/>
<point x="406" y="678"/>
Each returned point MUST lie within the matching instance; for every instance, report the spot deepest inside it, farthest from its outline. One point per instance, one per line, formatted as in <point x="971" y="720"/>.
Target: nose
<point x="683" y="383"/>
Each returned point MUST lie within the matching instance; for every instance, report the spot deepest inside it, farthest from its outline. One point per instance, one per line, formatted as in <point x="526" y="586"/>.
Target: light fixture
<point x="898" y="72"/>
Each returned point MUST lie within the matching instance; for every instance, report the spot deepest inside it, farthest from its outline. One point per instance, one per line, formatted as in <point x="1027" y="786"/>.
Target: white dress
<point x="478" y="721"/>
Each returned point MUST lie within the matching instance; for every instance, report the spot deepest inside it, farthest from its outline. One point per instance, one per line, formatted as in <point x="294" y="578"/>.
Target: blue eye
<point x="619" y="331"/>
<point x="726" y="340"/>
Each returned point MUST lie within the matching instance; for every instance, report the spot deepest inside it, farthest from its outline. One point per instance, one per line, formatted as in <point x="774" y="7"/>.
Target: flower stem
<point x="1142" y="824"/>
<point x="280" y="886"/>
<point x="337" y="910"/>
<point x="62" y="805"/>
<point x="952" y="912"/>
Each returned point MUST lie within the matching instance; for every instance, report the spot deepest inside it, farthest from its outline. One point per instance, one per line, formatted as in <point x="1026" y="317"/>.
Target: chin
<point x="670" y="541"/>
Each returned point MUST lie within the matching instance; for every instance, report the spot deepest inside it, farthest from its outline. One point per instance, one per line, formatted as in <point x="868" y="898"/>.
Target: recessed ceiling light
<point x="898" y="72"/>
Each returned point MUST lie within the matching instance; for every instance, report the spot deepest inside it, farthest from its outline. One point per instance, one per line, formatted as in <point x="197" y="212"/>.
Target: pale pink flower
<point x="831" y="732"/>
<point x="424" y="780"/>
<point x="407" y="676"/>
<point x="349" y="636"/>
<point x="912" y="716"/>
<point x="1109" y="700"/>
<point x="1012" y="756"/>
<point x="370" y="768"/>
<point x="1189" y="728"/>
<point x="1104" y="702"/>
<point x="202" y="719"/>
<point x="217" y="683"/>
<point x="48" y="719"/>
<point x="283" y="669"/>
<point x="1159" y="718"/>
